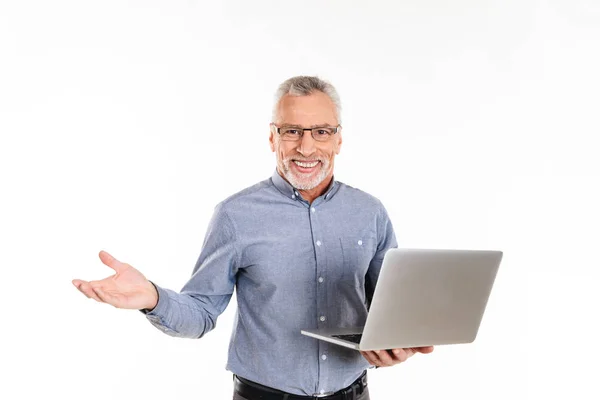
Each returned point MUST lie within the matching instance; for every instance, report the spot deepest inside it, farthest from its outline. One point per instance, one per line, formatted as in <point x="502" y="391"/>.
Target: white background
<point x="124" y="123"/>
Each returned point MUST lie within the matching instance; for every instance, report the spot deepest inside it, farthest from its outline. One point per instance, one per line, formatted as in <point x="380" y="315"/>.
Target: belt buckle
<point x="362" y="382"/>
<point x="319" y="395"/>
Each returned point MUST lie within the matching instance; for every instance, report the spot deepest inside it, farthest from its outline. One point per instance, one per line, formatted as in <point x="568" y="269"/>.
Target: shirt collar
<point x="290" y="192"/>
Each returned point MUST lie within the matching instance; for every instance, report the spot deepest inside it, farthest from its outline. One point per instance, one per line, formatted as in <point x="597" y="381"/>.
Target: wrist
<point x="153" y="296"/>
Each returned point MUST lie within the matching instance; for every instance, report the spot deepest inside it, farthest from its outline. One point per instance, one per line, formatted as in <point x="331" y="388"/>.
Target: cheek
<point x="280" y="155"/>
<point x="328" y="153"/>
<point x="284" y="151"/>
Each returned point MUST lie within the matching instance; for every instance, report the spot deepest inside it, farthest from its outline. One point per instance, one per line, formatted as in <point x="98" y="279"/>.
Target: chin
<point x="301" y="182"/>
<point x="305" y="184"/>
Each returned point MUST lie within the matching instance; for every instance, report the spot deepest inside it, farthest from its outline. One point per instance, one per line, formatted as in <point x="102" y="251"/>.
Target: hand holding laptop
<point x="388" y="358"/>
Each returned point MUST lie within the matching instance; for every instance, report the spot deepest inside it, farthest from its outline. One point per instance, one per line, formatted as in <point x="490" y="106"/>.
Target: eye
<point x="291" y="131"/>
<point x="324" y="131"/>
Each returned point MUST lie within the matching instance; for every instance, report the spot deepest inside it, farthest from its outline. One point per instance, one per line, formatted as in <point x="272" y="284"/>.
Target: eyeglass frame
<point x="312" y="131"/>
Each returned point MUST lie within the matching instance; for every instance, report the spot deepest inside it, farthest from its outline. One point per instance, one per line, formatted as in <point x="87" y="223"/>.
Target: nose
<point x="307" y="145"/>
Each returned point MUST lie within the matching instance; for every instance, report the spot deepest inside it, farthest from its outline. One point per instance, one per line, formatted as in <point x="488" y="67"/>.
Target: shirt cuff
<point x="161" y="305"/>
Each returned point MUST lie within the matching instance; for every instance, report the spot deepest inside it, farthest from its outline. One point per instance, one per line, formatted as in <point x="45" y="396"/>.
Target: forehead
<point x="314" y="109"/>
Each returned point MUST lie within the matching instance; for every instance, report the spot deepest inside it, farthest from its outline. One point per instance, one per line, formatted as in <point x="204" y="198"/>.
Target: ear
<point x="272" y="137"/>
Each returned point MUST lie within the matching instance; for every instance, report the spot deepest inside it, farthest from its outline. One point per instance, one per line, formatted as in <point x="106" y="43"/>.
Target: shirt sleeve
<point x="386" y="239"/>
<point x="193" y="311"/>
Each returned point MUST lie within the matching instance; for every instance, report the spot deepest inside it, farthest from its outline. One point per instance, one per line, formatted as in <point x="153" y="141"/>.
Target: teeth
<point x="306" y="164"/>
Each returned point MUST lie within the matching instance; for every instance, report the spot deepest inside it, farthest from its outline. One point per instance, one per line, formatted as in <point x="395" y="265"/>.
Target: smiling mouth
<point x="306" y="164"/>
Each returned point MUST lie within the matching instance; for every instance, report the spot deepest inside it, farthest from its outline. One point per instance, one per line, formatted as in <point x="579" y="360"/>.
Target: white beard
<point x="299" y="182"/>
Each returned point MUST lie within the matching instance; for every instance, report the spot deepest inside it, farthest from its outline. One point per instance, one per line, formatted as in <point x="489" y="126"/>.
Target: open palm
<point x="127" y="288"/>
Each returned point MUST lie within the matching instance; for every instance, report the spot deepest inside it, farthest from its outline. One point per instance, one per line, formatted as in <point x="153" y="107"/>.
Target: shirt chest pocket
<point x="357" y="253"/>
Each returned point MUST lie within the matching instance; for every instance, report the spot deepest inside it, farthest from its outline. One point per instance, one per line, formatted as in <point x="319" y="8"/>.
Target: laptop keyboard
<point x="354" y="338"/>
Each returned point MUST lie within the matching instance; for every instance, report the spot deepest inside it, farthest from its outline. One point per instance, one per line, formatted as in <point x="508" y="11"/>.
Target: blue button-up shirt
<point x="295" y="266"/>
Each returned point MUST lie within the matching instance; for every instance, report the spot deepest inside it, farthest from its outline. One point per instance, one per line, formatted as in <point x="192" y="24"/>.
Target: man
<point x="302" y="250"/>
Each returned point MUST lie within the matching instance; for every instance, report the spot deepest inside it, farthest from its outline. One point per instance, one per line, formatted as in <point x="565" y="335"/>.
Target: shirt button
<point x="312" y="209"/>
<point x="318" y="242"/>
<point x="322" y="318"/>
<point x="321" y="279"/>
<point x="360" y="242"/>
<point x="323" y="357"/>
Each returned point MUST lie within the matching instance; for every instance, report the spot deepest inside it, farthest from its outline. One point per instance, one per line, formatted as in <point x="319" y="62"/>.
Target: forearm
<point x="185" y="315"/>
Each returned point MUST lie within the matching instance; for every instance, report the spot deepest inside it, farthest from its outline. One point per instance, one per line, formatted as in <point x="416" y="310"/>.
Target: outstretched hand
<point x="387" y="358"/>
<point x="127" y="288"/>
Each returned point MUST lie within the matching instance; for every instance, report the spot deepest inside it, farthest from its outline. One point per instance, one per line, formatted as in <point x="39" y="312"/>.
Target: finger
<point x="375" y="359"/>
<point x="110" y="261"/>
<point x="78" y="283"/>
<point x="424" y="349"/>
<point x="105" y="297"/>
<point x="400" y="355"/>
<point x="86" y="289"/>
<point x="385" y="358"/>
<point x="371" y="358"/>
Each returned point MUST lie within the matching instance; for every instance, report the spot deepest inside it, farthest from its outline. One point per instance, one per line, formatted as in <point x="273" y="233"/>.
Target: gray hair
<point x="304" y="86"/>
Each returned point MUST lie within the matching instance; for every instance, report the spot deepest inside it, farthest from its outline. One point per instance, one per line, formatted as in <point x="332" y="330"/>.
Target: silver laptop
<point x="423" y="298"/>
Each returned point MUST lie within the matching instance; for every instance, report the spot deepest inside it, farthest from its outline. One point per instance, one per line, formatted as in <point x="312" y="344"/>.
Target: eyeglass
<point x="295" y="133"/>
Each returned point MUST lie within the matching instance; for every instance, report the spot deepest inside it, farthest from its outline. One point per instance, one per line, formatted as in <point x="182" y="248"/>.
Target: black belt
<point x="255" y="391"/>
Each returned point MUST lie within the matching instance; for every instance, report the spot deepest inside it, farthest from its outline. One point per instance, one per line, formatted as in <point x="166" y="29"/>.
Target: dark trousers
<point x="363" y="396"/>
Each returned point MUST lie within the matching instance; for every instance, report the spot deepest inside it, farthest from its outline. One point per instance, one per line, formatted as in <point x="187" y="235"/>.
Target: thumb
<point x="110" y="261"/>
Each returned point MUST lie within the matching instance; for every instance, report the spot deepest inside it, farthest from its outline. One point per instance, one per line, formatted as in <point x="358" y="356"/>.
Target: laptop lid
<point x="429" y="297"/>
